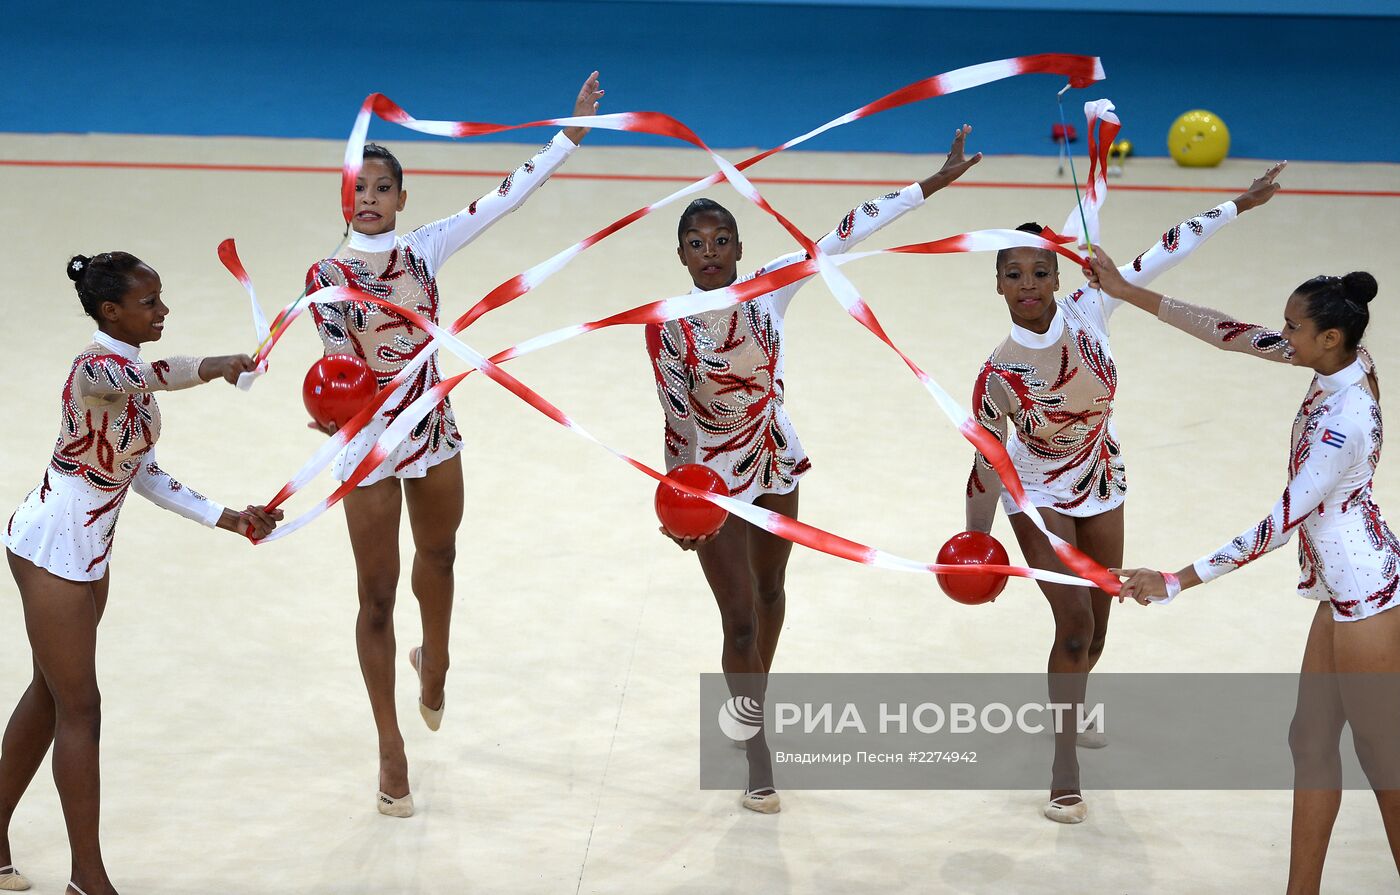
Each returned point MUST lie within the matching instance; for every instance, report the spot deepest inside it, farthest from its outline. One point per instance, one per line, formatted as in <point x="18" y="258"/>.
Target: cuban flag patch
<point x="1333" y="438"/>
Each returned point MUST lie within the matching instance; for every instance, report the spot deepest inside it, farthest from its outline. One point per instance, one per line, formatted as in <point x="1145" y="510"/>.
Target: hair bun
<point x="1359" y="286"/>
<point x="76" y="266"/>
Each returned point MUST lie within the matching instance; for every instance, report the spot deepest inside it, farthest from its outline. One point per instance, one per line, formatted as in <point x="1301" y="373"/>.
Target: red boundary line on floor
<point x="658" y="178"/>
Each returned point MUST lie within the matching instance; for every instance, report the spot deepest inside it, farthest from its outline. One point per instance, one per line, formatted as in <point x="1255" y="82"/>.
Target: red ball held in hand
<point x="337" y="387"/>
<point x="684" y="516"/>
<point x="972" y="548"/>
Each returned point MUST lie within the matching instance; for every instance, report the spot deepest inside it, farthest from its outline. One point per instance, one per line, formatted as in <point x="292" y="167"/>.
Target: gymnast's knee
<point x="81" y="711"/>
<point x="1316" y="753"/>
<point x="1076" y="637"/>
<point x="377" y="595"/>
<point x="1096" y="643"/>
<point x="772" y="592"/>
<point x="740" y="631"/>
<point x="438" y="557"/>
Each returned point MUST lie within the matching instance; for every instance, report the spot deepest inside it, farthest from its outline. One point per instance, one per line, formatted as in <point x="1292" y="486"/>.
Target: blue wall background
<point x="1217" y="7"/>
<point x="741" y="74"/>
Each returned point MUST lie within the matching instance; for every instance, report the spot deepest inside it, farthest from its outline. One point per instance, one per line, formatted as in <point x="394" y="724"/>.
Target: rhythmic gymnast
<point x="59" y="542"/>
<point x="719" y="377"/>
<point x="1047" y="392"/>
<point x="403" y="269"/>
<point x="1349" y="559"/>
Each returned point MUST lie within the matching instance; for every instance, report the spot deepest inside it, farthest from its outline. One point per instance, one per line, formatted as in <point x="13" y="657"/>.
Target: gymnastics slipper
<point x="392" y="807"/>
<point x="11" y="880"/>
<point x="764" y="801"/>
<point x="1061" y="813"/>
<point x="431" y="717"/>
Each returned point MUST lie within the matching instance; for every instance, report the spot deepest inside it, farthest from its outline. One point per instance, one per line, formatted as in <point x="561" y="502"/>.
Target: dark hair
<point x="1030" y="227"/>
<point x="704" y="206"/>
<point x="374" y="150"/>
<point x="1340" y="303"/>
<point x="105" y="277"/>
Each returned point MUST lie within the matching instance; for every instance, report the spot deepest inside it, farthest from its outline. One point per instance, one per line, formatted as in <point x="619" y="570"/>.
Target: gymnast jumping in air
<point x="1047" y="393"/>
<point x="425" y="471"/>
<point x="1349" y="559"/>
<point x="719" y="377"/>
<point x="59" y="542"/>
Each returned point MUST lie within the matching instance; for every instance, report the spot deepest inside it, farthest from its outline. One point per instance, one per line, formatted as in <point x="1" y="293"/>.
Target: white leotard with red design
<point x="719" y="374"/>
<point x="1346" y="551"/>
<point x="1049" y="396"/>
<point x="403" y="270"/>
<point x="108" y="429"/>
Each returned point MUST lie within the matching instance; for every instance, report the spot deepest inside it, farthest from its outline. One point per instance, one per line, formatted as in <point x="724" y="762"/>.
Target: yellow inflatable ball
<point x="1198" y="139"/>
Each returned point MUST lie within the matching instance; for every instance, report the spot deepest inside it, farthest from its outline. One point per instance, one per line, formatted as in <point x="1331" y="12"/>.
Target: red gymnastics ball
<point x="972" y="548"/>
<point x="684" y="516"/>
<point x="337" y="387"/>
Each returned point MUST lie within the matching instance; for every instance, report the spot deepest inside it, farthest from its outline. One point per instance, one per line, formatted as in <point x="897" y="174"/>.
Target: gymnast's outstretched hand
<point x="586" y="104"/>
<point x="956" y="165"/>
<point x="229" y="366"/>
<point x="255" y="523"/>
<point x="1261" y="190"/>
<point x="1141" y="585"/>
<point x="258" y="522"/>
<point x="1150" y="586"/>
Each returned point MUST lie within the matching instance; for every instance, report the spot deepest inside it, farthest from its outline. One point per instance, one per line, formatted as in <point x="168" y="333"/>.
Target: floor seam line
<point x="607" y="764"/>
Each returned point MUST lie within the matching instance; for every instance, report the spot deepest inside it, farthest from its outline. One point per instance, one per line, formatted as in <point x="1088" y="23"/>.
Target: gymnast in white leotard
<point x="1349" y="560"/>
<point x="60" y="540"/>
<point x="719" y="378"/>
<point x="1048" y="392"/>
<point x="424" y="472"/>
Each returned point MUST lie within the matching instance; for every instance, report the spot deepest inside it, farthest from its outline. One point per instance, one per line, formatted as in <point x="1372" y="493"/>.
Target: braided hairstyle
<point x="101" y="278"/>
<point x="1340" y="303"/>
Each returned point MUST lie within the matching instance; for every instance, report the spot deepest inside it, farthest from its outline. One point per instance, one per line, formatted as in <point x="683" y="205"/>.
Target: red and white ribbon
<point x="229" y="256"/>
<point x="678" y="306"/>
<point x="1081" y="70"/>
<point x="780" y="525"/>
<point x="1102" y="130"/>
<point x="672" y="308"/>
